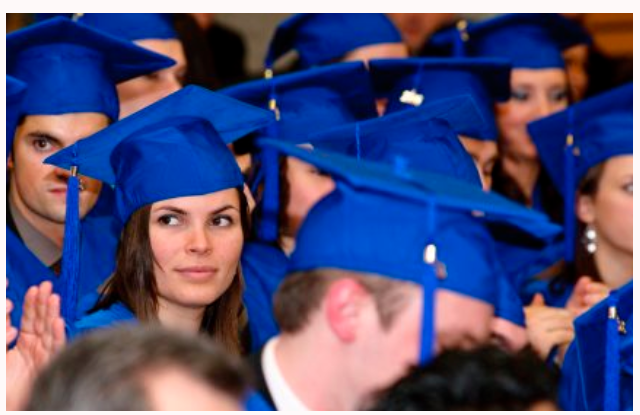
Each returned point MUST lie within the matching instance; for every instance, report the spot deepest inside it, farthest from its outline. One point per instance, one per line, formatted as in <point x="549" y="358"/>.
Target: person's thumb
<point x="538" y="299"/>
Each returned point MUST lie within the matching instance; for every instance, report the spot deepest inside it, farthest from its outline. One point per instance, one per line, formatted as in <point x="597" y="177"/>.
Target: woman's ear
<point x="585" y="209"/>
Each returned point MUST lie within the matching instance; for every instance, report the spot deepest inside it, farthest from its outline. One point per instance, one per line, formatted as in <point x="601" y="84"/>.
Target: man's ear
<point x="585" y="209"/>
<point x="343" y="308"/>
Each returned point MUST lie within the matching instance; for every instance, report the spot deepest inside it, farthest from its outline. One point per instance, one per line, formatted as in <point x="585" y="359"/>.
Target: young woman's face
<point x="306" y="187"/>
<point x="535" y="94"/>
<point x="196" y="242"/>
<point x="610" y="210"/>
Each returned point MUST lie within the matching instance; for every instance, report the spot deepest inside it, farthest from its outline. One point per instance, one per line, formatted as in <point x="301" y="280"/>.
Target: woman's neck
<point x="524" y="171"/>
<point x="179" y="318"/>
<point x="615" y="266"/>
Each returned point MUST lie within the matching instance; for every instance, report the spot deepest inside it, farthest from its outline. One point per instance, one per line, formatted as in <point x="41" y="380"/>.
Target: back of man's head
<point x="139" y="368"/>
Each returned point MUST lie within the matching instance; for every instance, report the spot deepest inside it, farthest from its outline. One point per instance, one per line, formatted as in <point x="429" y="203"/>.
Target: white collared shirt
<point x="283" y="397"/>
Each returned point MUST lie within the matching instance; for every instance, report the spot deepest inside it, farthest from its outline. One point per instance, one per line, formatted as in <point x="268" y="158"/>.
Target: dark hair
<point x="484" y="379"/>
<point x="133" y="282"/>
<point x="106" y="369"/>
<point x="301" y="293"/>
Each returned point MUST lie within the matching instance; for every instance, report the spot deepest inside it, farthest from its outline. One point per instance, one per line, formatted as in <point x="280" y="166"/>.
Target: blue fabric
<point x="312" y="100"/>
<point x="320" y="38"/>
<point x="15" y="93"/>
<point x="485" y="80"/>
<point x="116" y="314"/>
<point x="256" y="402"/>
<point x="508" y="305"/>
<point x="582" y="136"/>
<point x="421" y="138"/>
<point x="264" y="267"/>
<point x="72" y="68"/>
<point x="167" y="150"/>
<point x="528" y="40"/>
<point x="583" y="380"/>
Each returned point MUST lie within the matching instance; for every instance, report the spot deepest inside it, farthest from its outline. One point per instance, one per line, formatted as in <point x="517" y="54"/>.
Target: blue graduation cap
<point x="73" y="68"/>
<point x="586" y="134"/>
<point x="167" y="150"/>
<point x="15" y="93"/>
<point x="303" y="102"/>
<point x="436" y="194"/>
<point x="528" y="40"/>
<point x="508" y="304"/>
<point x="597" y="373"/>
<point x="130" y="26"/>
<point x="408" y="83"/>
<point x="420" y="138"/>
<point x="321" y="38"/>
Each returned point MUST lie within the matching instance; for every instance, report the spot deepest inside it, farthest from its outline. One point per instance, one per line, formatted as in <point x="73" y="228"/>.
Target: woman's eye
<point x="222" y="221"/>
<point x="169" y="220"/>
<point x="558" y="96"/>
<point x="42" y="144"/>
<point x="519" y="95"/>
<point x="629" y="188"/>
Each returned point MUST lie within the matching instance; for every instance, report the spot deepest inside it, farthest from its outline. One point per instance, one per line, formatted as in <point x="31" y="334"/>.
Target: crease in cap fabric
<point x="167" y="150"/>
<point x="130" y="26"/>
<point x="456" y="202"/>
<point x="303" y="102"/>
<point x="582" y="136"/>
<point x="321" y="38"/>
<point x="420" y="138"/>
<point x="72" y="68"/>
<point x="528" y="40"/>
<point x="15" y="93"/>
<point x="408" y="83"/>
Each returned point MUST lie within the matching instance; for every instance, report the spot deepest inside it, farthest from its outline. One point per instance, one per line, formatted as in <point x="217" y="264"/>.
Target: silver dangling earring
<point x="590" y="239"/>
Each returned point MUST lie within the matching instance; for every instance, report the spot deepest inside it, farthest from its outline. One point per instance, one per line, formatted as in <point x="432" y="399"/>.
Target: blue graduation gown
<point x="256" y="402"/>
<point x="118" y="313"/>
<point x="584" y="372"/>
<point x="263" y="266"/>
<point x="99" y="241"/>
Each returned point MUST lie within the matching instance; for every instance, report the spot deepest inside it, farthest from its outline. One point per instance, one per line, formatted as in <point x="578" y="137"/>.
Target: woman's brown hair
<point x="133" y="282"/>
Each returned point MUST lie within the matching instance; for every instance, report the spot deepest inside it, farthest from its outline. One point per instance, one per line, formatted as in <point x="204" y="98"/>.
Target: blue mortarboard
<point x="167" y="150"/>
<point x="597" y="373"/>
<point x="130" y="26"/>
<point x="508" y="304"/>
<point x="584" y="135"/>
<point x="72" y="68"/>
<point x="421" y="138"/>
<point x="311" y="100"/>
<point x="528" y="40"/>
<point x="321" y="38"/>
<point x="15" y="94"/>
<point x="304" y="102"/>
<point x="433" y="192"/>
<point x="411" y="82"/>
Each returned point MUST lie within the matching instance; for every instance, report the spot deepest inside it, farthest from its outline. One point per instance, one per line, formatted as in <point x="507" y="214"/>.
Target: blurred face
<point x="394" y="349"/>
<point x="484" y="154"/>
<point x="507" y="335"/>
<point x="380" y="51"/>
<point x="143" y="91"/>
<point x="306" y="187"/>
<point x="462" y="322"/>
<point x="174" y="389"/>
<point x="576" y="59"/>
<point x="610" y="210"/>
<point x="535" y="94"/>
<point x="416" y="28"/>
<point x="196" y="242"/>
<point x="39" y="190"/>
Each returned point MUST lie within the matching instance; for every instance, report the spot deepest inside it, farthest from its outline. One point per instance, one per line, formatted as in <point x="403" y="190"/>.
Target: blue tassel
<point x="569" y="193"/>
<point x="268" y="226"/>
<point x="429" y="285"/>
<point x="71" y="252"/>
<point x="612" y="357"/>
<point x="460" y="40"/>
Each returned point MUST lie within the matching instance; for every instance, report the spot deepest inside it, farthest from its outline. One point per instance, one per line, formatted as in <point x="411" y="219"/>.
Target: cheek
<point x="614" y="216"/>
<point x="164" y="247"/>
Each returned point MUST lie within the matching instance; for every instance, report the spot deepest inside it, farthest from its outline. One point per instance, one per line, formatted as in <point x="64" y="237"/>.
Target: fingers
<point x="538" y="300"/>
<point x="29" y="310"/>
<point x="55" y="324"/>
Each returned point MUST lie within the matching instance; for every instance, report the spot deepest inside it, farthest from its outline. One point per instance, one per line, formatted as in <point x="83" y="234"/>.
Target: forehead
<point x="210" y="201"/>
<point x="68" y="128"/>
<point x="619" y="166"/>
<point x="538" y="77"/>
<point x="168" y="47"/>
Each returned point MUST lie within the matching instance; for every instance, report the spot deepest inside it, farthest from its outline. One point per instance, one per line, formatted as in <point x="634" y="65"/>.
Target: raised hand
<point x="548" y="327"/>
<point x="41" y="336"/>
<point x="586" y="294"/>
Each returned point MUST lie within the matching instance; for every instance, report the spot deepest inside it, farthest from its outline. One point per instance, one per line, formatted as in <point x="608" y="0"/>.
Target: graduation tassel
<point x="358" y="150"/>
<point x="569" y="193"/>
<point x="71" y="249"/>
<point x="612" y="356"/>
<point x="459" y="44"/>
<point x="429" y="285"/>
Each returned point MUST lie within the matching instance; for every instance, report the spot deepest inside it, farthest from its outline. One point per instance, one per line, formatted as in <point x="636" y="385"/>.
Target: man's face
<point x="39" y="190"/>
